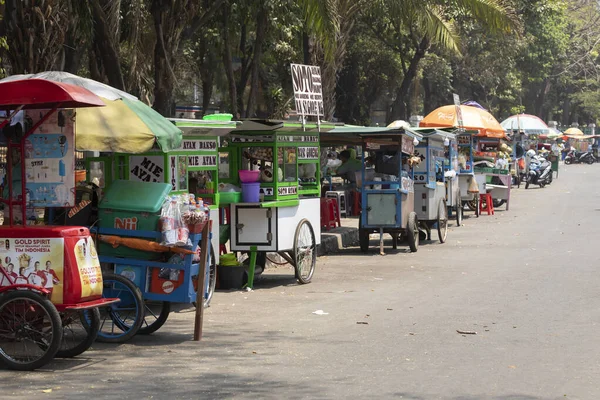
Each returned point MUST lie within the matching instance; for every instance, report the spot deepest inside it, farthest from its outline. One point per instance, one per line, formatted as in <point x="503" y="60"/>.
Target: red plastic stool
<point x="334" y="209"/>
<point x="328" y="214"/>
<point x="489" y="204"/>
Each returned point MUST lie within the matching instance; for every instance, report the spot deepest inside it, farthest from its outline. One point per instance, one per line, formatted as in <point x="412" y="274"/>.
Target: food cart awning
<point x="249" y="126"/>
<point x="356" y="135"/>
<point x="41" y="93"/>
<point x="202" y="127"/>
<point x="442" y="133"/>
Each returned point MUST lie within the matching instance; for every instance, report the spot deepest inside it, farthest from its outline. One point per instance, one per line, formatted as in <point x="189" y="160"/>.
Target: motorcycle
<point x="540" y="171"/>
<point x="575" y="157"/>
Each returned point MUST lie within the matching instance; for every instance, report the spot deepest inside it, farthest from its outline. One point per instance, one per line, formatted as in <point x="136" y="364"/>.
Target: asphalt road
<point x="525" y="280"/>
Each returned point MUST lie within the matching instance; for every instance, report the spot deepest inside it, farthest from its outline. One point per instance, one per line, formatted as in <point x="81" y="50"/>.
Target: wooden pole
<point x="204" y="251"/>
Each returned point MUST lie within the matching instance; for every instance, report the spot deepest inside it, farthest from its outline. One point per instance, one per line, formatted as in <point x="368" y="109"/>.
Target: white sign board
<point x="308" y="153"/>
<point x="308" y="93"/>
<point x="195" y="144"/>
<point x="202" y="161"/>
<point x="147" y="168"/>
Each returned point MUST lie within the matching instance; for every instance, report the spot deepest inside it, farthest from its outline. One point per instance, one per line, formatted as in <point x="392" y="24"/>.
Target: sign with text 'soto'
<point x="308" y="93"/>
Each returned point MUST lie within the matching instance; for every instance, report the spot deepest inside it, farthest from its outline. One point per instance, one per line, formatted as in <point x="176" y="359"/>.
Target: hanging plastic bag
<point x="168" y="222"/>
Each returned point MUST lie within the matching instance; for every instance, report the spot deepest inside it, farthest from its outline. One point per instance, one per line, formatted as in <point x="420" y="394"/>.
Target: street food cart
<point x="488" y="152"/>
<point x="277" y="166"/>
<point x="433" y="191"/>
<point x="466" y="177"/>
<point x="386" y="184"/>
<point x="51" y="283"/>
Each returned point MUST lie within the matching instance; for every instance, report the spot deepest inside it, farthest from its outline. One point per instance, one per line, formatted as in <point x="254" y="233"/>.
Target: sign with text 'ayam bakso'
<point x="308" y="93"/>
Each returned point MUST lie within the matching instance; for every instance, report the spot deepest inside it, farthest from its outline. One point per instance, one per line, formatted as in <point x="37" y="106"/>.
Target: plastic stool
<point x="340" y="197"/>
<point x="329" y="214"/>
<point x="489" y="204"/>
<point x="334" y="210"/>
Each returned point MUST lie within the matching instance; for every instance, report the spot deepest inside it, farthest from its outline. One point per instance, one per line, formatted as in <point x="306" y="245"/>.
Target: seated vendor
<point x="349" y="166"/>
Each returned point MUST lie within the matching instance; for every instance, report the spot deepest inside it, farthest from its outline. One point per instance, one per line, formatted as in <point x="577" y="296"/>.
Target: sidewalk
<point x="336" y="239"/>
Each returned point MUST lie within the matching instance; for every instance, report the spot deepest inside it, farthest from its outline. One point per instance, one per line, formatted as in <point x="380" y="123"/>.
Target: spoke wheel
<point x="120" y="321"/>
<point x="412" y="232"/>
<point x="80" y="329"/>
<point x="212" y="278"/>
<point x="459" y="216"/>
<point x="155" y="316"/>
<point x="305" y="251"/>
<point x="30" y="330"/>
<point x="442" y="221"/>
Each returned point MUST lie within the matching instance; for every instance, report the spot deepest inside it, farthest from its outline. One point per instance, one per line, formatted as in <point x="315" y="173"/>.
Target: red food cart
<point x="50" y="277"/>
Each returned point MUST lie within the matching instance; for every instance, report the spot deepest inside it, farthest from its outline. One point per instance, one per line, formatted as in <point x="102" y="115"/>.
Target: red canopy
<point x="40" y="93"/>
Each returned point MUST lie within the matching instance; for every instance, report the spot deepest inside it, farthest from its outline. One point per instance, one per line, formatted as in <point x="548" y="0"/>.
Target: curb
<point x="336" y="239"/>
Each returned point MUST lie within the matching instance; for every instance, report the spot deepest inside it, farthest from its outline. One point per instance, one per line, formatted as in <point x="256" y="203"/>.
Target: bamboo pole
<point x="204" y="251"/>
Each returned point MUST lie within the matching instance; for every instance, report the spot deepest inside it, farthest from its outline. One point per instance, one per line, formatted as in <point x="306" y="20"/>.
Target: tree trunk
<point x="244" y="71"/>
<point x="400" y="106"/>
<point x="306" y="48"/>
<point x="107" y="49"/>
<point x="261" y="30"/>
<point x="163" y="76"/>
<point x="427" y="92"/>
<point x="228" y="64"/>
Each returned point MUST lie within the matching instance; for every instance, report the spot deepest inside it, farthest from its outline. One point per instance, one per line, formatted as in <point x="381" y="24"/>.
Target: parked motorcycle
<point x="576" y="157"/>
<point x="540" y="170"/>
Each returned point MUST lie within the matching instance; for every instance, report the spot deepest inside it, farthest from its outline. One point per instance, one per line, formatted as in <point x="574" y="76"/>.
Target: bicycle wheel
<point x="305" y="251"/>
<point x="212" y="278"/>
<point x="155" y="316"/>
<point x="120" y="321"/>
<point x="80" y="329"/>
<point x="30" y="330"/>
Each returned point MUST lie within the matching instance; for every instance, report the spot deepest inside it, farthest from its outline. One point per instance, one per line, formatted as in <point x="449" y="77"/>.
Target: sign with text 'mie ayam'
<point x="308" y="93"/>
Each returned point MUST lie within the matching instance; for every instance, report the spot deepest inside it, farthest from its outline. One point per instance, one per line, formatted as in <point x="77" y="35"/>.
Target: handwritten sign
<point x="202" y="161"/>
<point x="195" y="145"/>
<point x="147" y="168"/>
<point x="308" y="93"/>
<point x="173" y="170"/>
<point x="308" y="153"/>
<point x="287" y="190"/>
<point x="266" y="191"/>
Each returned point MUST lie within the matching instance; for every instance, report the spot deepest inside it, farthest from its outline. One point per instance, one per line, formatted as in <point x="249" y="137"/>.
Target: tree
<point x="174" y="21"/>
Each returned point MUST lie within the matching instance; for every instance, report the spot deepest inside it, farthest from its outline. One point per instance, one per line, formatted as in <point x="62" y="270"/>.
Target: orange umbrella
<point x="474" y="118"/>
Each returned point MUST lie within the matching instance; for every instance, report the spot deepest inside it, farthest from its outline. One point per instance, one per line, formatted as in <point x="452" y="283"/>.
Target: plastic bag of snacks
<point x="174" y="231"/>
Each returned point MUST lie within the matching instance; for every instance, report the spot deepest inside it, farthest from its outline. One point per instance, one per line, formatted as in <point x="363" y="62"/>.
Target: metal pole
<point x="204" y="251"/>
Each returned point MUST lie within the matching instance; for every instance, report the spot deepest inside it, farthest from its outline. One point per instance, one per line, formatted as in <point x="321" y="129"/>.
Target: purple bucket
<point x="251" y="192"/>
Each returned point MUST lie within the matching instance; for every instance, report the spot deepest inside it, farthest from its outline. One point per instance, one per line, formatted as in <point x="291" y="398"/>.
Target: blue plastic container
<point x="251" y="192"/>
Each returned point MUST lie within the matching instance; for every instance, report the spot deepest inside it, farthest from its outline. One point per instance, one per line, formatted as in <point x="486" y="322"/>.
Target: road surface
<point x="526" y="281"/>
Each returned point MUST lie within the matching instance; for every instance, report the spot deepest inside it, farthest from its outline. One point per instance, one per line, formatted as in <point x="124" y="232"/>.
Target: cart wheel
<point x="459" y="216"/>
<point x="305" y="251"/>
<point x="30" y="330"/>
<point x="212" y="278"/>
<point x="472" y="204"/>
<point x="80" y="329"/>
<point x="497" y="203"/>
<point x="155" y="316"/>
<point x="120" y="321"/>
<point x="412" y="232"/>
<point x="442" y="221"/>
